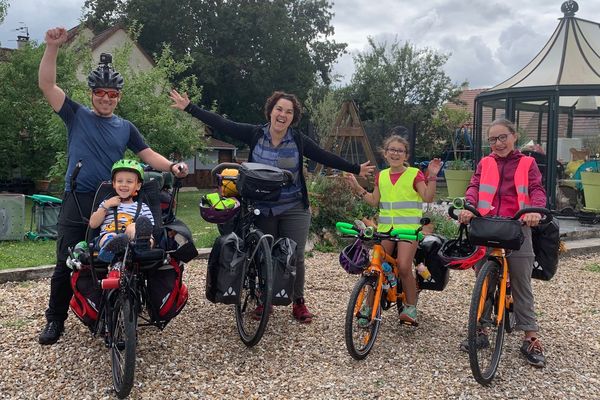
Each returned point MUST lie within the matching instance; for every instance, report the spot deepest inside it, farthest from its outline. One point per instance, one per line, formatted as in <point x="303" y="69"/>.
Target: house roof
<point x="466" y="100"/>
<point x="217" y="144"/>
<point x="570" y="57"/>
<point x="100" y="38"/>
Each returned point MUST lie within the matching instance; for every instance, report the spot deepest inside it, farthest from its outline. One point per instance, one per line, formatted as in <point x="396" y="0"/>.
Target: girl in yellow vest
<point x="399" y="191"/>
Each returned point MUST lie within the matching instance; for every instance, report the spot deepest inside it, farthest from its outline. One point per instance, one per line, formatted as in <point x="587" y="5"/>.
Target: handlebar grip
<point x="451" y="212"/>
<point x="544" y="211"/>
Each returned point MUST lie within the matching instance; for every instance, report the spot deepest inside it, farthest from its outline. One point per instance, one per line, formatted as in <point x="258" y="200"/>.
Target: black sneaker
<point x="534" y="352"/>
<point x="482" y="342"/>
<point x="51" y="332"/>
<point x="143" y="233"/>
<point x="113" y="247"/>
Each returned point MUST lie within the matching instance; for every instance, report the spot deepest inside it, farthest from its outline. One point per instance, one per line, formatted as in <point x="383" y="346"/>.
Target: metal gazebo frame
<point x="549" y="86"/>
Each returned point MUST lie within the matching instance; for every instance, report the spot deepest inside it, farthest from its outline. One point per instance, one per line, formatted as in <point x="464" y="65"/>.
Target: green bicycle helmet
<point x="128" y="165"/>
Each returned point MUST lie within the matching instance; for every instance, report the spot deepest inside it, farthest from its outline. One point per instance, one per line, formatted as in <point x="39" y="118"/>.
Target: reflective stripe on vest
<point x="490" y="178"/>
<point x="400" y="206"/>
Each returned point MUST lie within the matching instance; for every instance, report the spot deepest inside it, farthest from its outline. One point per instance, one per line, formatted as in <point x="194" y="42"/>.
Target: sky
<point x="488" y="41"/>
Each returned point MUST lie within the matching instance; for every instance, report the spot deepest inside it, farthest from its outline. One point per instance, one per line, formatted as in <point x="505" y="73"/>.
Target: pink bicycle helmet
<point x="459" y="253"/>
<point x="354" y="258"/>
<point x="219" y="211"/>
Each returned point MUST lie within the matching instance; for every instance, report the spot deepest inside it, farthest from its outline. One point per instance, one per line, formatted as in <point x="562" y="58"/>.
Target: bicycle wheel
<point x="360" y="331"/>
<point x="257" y="290"/>
<point x="485" y="334"/>
<point x="122" y="350"/>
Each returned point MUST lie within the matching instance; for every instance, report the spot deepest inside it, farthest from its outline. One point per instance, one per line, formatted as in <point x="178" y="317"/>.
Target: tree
<point x="4" y="4"/>
<point x="242" y="49"/>
<point x="34" y="138"/>
<point x="401" y="85"/>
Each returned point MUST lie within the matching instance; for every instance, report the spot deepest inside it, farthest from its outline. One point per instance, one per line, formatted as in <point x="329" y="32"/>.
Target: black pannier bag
<point x="496" y="232"/>
<point x="284" y="271"/>
<point x="260" y="182"/>
<point x="225" y="270"/>
<point x="546" y="243"/>
<point x="427" y="253"/>
<point x="167" y="293"/>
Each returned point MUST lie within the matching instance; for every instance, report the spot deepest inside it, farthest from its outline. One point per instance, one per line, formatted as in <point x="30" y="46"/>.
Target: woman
<point x="496" y="195"/>
<point x="276" y="143"/>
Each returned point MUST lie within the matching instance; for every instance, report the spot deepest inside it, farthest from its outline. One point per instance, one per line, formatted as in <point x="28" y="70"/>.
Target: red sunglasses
<point x="112" y="94"/>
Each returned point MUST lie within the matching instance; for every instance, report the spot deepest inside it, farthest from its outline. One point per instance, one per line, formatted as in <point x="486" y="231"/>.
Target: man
<point x="99" y="138"/>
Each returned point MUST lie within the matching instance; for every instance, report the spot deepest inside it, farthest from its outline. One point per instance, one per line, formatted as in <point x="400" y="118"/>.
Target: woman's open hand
<point x="179" y="101"/>
<point x="366" y="169"/>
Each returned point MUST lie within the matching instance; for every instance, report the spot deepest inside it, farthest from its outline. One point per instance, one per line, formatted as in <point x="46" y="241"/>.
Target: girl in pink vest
<point x="493" y="188"/>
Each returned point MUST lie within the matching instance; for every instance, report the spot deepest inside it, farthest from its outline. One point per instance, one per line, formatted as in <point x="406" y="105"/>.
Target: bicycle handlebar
<point x="460" y="203"/>
<point x="348" y="229"/>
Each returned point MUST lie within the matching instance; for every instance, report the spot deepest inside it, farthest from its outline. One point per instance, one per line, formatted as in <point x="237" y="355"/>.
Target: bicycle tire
<point x="257" y="289"/>
<point x="359" y="337"/>
<point x="484" y="360"/>
<point x="123" y="344"/>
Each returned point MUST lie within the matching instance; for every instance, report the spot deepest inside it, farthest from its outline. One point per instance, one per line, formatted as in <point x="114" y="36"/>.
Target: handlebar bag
<point x="260" y="182"/>
<point x="496" y="232"/>
<point x="284" y="271"/>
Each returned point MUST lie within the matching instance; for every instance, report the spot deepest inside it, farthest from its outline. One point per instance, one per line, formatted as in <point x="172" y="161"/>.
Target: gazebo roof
<point x="570" y="58"/>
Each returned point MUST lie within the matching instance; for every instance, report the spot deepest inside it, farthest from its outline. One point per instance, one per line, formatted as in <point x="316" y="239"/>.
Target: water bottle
<point x="423" y="271"/>
<point x="388" y="271"/>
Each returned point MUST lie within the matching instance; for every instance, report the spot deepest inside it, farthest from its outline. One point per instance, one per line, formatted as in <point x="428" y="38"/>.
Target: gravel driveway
<point x="199" y="355"/>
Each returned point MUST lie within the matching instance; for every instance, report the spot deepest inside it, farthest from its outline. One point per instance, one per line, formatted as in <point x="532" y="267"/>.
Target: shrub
<point x="443" y="224"/>
<point x="332" y="200"/>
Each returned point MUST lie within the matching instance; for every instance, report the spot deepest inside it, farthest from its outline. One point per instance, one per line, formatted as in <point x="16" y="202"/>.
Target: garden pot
<point x="42" y="185"/>
<point x="591" y="190"/>
<point x="457" y="182"/>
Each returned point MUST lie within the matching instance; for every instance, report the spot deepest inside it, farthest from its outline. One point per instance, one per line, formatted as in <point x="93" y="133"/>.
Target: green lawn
<point x="30" y="254"/>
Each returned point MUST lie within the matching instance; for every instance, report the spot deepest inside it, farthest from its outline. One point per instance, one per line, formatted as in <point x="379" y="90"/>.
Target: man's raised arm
<point x="47" y="72"/>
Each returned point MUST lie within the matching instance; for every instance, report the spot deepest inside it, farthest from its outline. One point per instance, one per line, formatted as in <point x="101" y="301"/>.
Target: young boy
<point x="127" y="179"/>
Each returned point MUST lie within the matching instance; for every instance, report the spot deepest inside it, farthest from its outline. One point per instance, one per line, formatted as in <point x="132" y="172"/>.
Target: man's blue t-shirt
<point x="98" y="141"/>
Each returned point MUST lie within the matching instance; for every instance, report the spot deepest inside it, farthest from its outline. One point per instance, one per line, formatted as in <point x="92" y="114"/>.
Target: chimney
<point x="22" y="41"/>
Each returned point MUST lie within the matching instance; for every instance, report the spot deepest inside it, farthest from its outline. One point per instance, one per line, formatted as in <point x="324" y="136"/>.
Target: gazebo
<point x="554" y="102"/>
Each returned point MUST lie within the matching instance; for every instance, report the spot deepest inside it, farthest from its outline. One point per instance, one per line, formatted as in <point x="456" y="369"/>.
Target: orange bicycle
<point x="490" y="312"/>
<point x="373" y="292"/>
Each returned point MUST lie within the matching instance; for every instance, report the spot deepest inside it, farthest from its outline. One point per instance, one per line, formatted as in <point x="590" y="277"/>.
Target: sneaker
<point x="114" y="246"/>
<point x="365" y="315"/>
<point x="482" y="342"/>
<point x="143" y="233"/>
<point x="300" y="311"/>
<point x="257" y="314"/>
<point x="409" y="314"/>
<point x="534" y="352"/>
<point x="51" y="332"/>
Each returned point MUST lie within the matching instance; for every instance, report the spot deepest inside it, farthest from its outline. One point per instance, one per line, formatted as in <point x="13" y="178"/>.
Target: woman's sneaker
<point x="364" y="316"/>
<point x="300" y="311"/>
<point x="409" y="315"/>
<point x="533" y="351"/>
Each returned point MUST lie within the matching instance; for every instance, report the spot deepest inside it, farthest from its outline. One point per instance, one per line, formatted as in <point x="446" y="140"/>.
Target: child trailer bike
<point x="114" y="308"/>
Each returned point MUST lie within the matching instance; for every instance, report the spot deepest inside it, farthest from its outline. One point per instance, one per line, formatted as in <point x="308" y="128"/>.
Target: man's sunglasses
<point x="112" y="94"/>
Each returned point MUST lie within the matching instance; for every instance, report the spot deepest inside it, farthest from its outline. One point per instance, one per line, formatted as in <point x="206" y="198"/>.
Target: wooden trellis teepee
<point x="348" y="138"/>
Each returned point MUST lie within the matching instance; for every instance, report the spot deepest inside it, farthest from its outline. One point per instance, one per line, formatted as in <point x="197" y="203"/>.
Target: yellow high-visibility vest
<point x="400" y="206"/>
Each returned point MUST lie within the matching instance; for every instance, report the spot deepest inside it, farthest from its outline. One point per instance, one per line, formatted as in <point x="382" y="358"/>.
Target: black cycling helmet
<point x="105" y="75"/>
